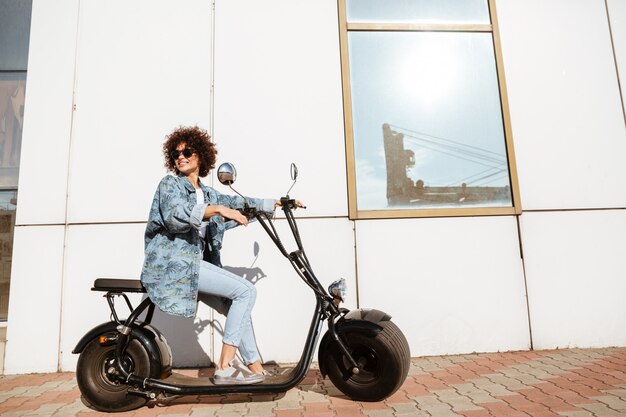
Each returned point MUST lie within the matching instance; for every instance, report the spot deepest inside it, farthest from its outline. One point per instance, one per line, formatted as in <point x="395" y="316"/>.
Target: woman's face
<point x="186" y="159"/>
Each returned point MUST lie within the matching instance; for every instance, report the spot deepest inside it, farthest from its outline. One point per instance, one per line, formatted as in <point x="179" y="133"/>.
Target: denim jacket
<point x="173" y="248"/>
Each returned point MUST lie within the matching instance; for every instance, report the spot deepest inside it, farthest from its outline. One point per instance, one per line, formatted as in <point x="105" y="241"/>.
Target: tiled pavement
<point x="571" y="382"/>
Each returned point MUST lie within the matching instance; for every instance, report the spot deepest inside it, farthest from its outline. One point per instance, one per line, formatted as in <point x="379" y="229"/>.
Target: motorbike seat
<point x="118" y="285"/>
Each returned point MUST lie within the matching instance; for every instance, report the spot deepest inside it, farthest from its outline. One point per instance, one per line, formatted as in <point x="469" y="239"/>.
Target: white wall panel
<point x="617" y="14"/>
<point x="278" y="99"/>
<point x="143" y="69"/>
<point x="35" y="300"/>
<point x="47" y="113"/>
<point x="95" y="251"/>
<point x="453" y="285"/>
<point x="116" y="251"/>
<point x="285" y="304"/>
<point x="567" y="118"/>
<point x="575" y="271"/>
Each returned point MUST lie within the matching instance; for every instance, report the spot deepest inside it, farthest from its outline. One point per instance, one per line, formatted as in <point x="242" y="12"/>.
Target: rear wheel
<point x="383" y="359"/>
<point x="98" y="383"/>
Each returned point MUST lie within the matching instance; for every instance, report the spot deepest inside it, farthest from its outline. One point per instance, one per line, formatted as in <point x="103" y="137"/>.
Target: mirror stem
<point x="245" y="200"/>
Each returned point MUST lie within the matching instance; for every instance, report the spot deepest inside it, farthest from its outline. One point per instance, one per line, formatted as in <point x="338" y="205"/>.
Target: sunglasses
<point x="187" y="152"/>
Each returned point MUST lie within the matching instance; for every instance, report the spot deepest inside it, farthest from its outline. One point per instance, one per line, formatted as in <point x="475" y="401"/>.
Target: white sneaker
<point x="236" y="374"/>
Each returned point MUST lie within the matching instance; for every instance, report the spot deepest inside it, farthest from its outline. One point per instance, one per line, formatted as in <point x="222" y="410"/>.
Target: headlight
<point x="338" y="290"/>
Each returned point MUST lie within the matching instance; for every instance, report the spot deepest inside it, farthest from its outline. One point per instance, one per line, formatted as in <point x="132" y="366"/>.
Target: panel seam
<point x="619" y="85"/>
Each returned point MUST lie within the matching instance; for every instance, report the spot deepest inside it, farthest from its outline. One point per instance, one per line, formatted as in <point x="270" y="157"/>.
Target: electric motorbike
<point x="124" y="363"/>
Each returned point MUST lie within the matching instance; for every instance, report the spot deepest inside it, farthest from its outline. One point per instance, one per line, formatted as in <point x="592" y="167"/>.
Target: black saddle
<point x="118" y="285"/>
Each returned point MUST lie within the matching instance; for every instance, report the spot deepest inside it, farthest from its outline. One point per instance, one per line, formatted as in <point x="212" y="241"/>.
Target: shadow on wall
<point x="186" y="337"/>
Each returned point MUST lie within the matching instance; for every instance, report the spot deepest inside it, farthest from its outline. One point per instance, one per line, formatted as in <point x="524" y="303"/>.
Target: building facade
<point x="532" y="260"/>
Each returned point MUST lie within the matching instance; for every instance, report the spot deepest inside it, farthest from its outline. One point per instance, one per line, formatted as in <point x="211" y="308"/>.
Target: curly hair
<point x="195" y="138"/>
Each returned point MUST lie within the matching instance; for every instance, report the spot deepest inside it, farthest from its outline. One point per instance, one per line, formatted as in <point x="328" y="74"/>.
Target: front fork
<point x="332" y="331"/>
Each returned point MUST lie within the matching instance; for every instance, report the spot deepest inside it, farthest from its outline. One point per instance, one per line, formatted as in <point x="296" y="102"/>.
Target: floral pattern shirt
<point x="173" y="247"/>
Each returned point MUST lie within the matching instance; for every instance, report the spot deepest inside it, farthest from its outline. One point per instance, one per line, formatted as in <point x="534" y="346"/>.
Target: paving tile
<point x="352" y="414"/>
<point x="475" y="394"/>
<point x="415" y="390"/>
<point x="621" y="393"/>
<point x="476" y="413"/>
<point x="492" y="388"/>
<point x="602" y="410"/>
<point x="379" y="413"/>
<point x="502" y="409"/>
<point x="464" y="374"/>
<point x="430" y="382"/>
<point x="289" y="405"/>
<point x="581" y="413"/>
<point x="460" y="403"/>
<point x="202" y="412"/>
<point x="522" y="377"/>
<point x="613" y="402"/>
<point x="581" y="389"/>
<point x="416" y="413"/>
<point x="289" y="413"/>
<point x="44" y="410"/>
<point x="506" y="381"/>
<point x="567" y="396"/>
<point x="405" y="408"/>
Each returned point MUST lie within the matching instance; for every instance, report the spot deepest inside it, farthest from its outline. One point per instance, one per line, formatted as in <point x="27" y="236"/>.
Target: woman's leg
<point x="247" y="345"/>
<point x="238" y="328"/>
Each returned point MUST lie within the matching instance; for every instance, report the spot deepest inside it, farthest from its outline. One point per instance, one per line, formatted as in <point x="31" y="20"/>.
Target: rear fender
<point x="364" y="321"/>
<point x="104" y="329"/>
<point x="150" y="338"/>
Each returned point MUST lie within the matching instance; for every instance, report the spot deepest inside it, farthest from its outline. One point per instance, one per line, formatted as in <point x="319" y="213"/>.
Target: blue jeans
<point x="215" y="284"/>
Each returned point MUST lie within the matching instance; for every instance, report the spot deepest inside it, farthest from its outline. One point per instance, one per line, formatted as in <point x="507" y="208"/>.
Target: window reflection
<point x="12" y="90"/>
<point x="427" y="121"/>
<point x="418" y="11"/>
<point x="15" y="18"/>
<point x="7" y="223"/>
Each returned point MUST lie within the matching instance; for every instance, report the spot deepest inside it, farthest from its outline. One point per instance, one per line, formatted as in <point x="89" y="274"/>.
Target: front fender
<point x="363" y="320"/>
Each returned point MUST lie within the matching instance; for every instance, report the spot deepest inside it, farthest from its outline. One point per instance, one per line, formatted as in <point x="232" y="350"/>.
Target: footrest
<point x="121" y="285"/>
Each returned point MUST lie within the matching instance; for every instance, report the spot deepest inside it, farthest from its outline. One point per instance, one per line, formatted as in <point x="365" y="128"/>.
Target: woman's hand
<point x="231" y="214"/>
<point x="235" y="215"/>
<point x="298" y="204"/>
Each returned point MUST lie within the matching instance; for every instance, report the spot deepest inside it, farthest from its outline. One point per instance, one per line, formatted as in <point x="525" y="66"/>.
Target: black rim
<point x="105" y="374"/>
<point x="369" y="365"/>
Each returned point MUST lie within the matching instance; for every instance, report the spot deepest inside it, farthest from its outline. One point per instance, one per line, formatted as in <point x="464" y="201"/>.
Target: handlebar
<point x="285" y="202"/>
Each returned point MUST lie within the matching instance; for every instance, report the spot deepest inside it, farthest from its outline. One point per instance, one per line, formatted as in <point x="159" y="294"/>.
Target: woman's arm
<point x="226" y="212"/>
<point x="176" y="210"/>
<point x="266" y="205"/>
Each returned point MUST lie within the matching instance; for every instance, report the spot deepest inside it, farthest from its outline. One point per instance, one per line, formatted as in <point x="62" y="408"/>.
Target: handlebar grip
<point x="248" y="212"/>
<point x="290" y="203"/>
<point x="287" y="202"/>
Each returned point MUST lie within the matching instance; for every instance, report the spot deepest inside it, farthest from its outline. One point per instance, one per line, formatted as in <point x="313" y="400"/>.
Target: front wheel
<point x="383" y="359"/>
<point x="97" y="381"/>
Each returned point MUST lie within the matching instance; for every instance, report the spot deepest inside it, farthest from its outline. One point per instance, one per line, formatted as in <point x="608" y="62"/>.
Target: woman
<point x="186" y="225"/>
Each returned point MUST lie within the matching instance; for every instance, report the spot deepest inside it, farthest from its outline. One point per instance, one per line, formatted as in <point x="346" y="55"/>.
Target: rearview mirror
<point x="226" y="173"/>
<point x="294" y="171"/>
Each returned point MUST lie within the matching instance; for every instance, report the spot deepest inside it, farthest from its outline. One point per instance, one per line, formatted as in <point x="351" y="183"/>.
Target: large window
<point x="14" y="38"/>
<point x="427" y="133"/>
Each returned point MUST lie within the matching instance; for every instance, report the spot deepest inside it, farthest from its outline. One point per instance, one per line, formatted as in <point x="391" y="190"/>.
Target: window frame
<point x="353" y="212"/>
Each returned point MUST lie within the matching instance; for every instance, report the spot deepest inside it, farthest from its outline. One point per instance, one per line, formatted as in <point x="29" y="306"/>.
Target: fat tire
<point x="104" y="393"/>
<point x="384" y="358"/>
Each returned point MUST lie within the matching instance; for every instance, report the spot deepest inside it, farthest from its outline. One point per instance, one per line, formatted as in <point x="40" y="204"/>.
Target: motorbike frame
<point x="326" y="308"/>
